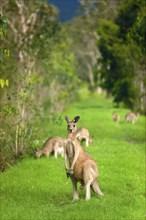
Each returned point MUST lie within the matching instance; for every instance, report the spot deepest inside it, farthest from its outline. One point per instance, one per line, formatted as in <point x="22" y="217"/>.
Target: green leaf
<point x="7" y="82"/>
<point x="2" y="83"/>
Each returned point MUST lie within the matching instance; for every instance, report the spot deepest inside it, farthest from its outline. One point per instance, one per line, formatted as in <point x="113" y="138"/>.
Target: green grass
<point x="39" y="190"/>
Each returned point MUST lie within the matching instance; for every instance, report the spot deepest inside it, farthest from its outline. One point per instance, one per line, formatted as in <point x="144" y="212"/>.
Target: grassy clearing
<point x="39" y="189"/>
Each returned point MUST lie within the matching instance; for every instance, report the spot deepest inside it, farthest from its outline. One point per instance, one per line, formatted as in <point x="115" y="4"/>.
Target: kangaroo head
<point x="71" y="124"/>
<point x="37" y="154"/>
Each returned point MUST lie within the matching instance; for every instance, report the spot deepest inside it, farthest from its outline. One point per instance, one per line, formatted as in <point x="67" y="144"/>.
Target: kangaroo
<point x="116" y="117"/>
<point x="53" y="144"/>
<point x="80" y="166"/>
<point x="131" y="117"/>
<point x="83" y="134"/>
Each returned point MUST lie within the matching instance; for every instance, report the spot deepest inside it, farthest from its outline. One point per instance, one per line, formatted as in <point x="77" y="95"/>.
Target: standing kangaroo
<point x="53" y="144"/>
<point x="131" y="117"/>
<point x="83" y="134"/>
<point x="79" y="165"/>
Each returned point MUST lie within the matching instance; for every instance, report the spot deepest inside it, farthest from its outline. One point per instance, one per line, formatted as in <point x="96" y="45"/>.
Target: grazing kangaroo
<point x="53" y="144"/>
<point x="116" y="117"/>
<point x="131" y="117"/>
<point x="83" y="134"/>
<point x="80" y="166"/>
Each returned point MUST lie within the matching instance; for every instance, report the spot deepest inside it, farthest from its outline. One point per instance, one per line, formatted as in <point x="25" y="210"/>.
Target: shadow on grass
<point x="92" y="106"/>
<point x="134" y="140"/>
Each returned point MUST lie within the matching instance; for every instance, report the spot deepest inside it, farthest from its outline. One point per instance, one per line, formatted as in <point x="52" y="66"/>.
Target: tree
<point x="138" y="32"/>
<point x="3" y="51"/>
<point x="133" y="32"/>
<point x="30" y="25"/>
<point x="41" y="72"/>
<point x="121" y="57"/>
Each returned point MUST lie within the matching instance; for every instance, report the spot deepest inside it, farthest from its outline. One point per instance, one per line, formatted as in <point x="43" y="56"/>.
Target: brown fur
<point x="83" y="134"/>
<point x="53" y="144"/>
<point x="116" y="117"/>
<point x="80" y="166"/>
<point x="131" y="117"/>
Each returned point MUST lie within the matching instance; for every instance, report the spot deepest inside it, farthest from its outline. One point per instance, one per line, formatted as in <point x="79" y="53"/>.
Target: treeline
<point x="109" y="43"/>
<point x="43" y="62"/>
<point x="40" y="72"/>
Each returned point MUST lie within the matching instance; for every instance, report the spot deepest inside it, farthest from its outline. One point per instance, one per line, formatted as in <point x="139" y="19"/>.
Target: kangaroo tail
<point x="95" y="188"/>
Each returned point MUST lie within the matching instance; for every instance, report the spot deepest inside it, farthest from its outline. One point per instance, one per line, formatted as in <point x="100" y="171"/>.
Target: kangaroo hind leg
<point x="88" y="179"/>
<point x="74" y="185"/>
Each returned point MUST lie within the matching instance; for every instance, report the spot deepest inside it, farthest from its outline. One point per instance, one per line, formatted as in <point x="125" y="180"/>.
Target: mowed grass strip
<point x="37" y="189"/>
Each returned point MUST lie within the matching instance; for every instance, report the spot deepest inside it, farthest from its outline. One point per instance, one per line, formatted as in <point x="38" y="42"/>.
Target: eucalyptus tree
<point x="40" y="70"/>
<point x="31" y="27"/>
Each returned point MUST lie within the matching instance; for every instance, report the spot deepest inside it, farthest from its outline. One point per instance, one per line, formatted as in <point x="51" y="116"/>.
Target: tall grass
<point x="37" y="189"/>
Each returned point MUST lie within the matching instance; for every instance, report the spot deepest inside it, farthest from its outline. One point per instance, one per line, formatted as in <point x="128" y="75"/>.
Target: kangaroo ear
<point x="67" y="119"/>
<point x="76" y="119"/>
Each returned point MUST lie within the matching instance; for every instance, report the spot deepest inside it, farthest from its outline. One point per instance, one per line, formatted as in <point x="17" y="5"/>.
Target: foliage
<point x="100" y="9"/>
<point x="117" y="71"/>
<point x="4" y="53"/>
<point x="104" y="38"/>
<point x="3" y="33"/>
<point x="120" y="57"/>
<point x="40" y="70"/>
<point x="138" y="31"/>
<point x="134" y="32"/>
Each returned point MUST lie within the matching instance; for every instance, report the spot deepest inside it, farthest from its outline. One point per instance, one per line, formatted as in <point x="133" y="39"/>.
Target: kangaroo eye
<point x="74" y="125"/>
